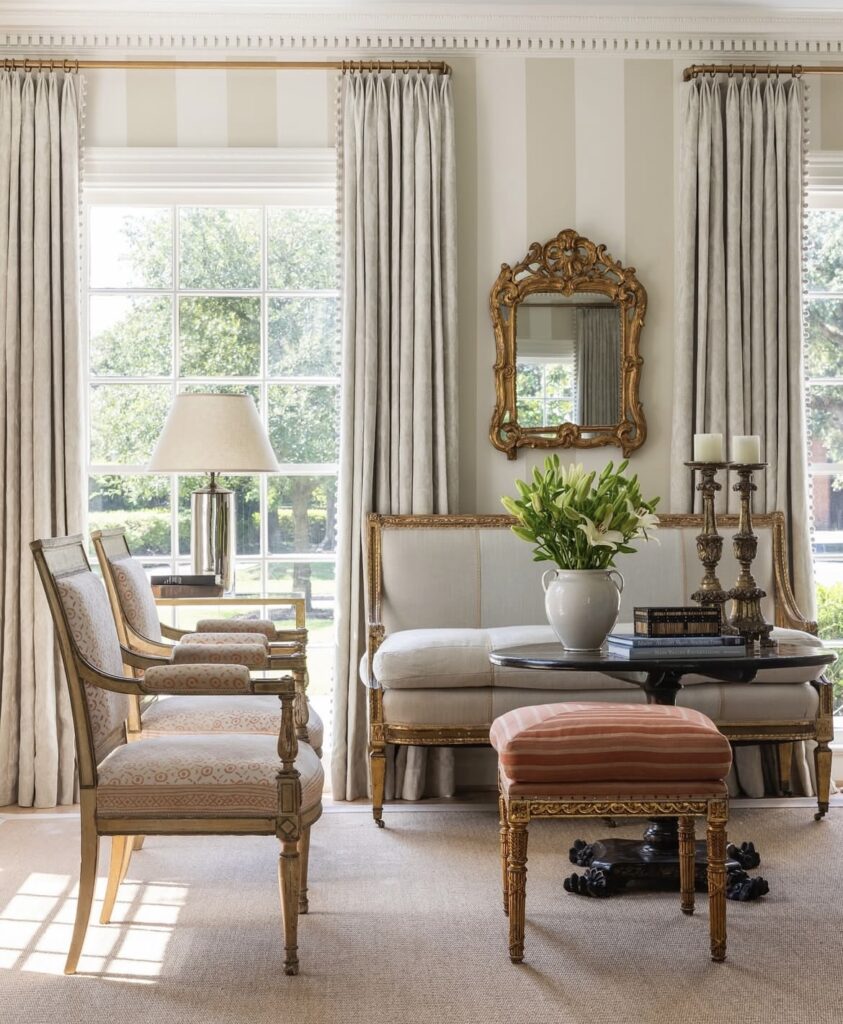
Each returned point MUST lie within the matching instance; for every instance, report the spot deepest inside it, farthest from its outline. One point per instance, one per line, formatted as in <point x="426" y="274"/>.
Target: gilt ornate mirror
<point x="567" y="322"/>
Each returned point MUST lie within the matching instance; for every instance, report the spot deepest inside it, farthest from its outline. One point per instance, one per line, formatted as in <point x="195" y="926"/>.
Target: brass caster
<point x="819" y="815"/>
<point x="379" y="822"/>
<point x="718" y="958"/>
<point x="291" y="968"/>
<point x="303" y="906"/>
<point x="688" y="911"/>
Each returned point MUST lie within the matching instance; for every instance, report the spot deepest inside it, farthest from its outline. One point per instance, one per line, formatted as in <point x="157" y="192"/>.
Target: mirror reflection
<point x="568" y="360"/>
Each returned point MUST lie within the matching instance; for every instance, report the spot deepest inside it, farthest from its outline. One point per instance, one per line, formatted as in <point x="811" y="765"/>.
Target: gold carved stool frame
<point x="516" y="813"/>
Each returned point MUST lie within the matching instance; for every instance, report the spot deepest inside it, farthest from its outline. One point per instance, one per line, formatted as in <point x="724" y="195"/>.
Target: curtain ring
<point x="797" y="71"/>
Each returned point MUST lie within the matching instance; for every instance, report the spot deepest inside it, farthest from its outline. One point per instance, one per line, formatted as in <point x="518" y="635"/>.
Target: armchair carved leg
<point x="304" y="856"/>
<point x="822" y="765"/>
<point x="117" y="867"/>
<point x="87" y="881"/>
<point x="377" y="766"/>
<point x="288" y="884"/>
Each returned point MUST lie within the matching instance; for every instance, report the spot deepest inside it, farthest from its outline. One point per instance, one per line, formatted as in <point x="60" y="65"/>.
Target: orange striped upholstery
<point x="603" y="742"/>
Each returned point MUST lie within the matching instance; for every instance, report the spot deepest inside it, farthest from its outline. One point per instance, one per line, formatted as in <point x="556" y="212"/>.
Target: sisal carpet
<point x="406" y="926"/>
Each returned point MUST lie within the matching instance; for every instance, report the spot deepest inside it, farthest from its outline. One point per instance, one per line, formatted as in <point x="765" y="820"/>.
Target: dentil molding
<point x="94" y="28"/>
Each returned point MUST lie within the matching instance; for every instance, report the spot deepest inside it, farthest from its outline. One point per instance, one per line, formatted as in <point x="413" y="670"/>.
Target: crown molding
<point x="93" y="28"/>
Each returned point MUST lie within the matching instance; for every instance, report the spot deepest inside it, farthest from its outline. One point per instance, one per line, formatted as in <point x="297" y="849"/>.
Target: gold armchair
<point x="224" y="784"/>
<point x="254" y="642"/>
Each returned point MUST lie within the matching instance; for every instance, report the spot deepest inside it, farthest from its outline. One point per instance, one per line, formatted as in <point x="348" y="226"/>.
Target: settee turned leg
<point x="377" y="767"/>
<point x="822" y="765"/>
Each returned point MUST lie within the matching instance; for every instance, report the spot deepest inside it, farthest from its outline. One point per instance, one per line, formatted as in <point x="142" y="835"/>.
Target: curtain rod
<point x="695" y="70"/>
<point x="74" y="64"/>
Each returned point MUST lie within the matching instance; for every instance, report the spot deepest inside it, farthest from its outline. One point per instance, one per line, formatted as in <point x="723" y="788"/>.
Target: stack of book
<point x="186" y="586"/>
<point x="627" y="645"/>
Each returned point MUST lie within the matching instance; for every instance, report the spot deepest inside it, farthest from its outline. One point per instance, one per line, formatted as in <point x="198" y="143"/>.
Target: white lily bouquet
<point x="577" y="522"/>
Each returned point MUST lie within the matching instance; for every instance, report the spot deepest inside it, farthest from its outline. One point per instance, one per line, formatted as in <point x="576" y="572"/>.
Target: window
<point x="824" y="383"/>
<point x="228" y="296"/>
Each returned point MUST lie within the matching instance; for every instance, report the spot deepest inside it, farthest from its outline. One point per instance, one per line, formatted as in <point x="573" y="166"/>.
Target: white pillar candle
<point x="708" y="448"/>
<point x="746" y="448"/>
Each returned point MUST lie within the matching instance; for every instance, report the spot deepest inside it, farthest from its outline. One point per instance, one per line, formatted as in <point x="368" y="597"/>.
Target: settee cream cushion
<point x="209" y="776"/>
<point x="459" y="658"/>
<point x="136" y="598"/>
<point x="478" y="707"/>
<point x="168" y="716"/>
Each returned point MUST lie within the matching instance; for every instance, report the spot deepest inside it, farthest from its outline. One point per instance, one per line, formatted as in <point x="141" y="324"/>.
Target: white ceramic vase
<point x="582" y="605"/>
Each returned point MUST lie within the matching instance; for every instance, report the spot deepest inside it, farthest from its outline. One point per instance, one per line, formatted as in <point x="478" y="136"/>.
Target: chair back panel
<point x="473" y="572"/>
<point x="127" y="585"/>
<point x="136" y="598"/>
<point x="85" y="606"/>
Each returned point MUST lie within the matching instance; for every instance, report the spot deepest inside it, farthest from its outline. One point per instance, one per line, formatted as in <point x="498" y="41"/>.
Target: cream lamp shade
<point x="213" y="434"/>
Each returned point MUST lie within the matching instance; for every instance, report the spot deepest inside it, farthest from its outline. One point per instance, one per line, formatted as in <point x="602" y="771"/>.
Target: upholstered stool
<point x="595" y="760"/>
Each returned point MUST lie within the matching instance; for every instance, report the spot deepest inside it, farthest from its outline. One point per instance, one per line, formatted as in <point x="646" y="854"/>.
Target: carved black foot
<point x="581" y="853"/>
<point x="590" y="883"/>
<point x="740" y="887"/>
<point x="745" y="855"/>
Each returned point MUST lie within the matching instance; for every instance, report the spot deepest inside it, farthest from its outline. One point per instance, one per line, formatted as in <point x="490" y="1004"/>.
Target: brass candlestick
<point x="709" y="543"/>
<point x="747" y="618"/>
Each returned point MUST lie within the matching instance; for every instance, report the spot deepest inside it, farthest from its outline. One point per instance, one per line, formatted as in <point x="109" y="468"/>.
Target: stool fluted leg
<point x="517" y="885"/>
<point x="686" y="863"/>
<point x="504" y="840"/>
<point x="718" y="815"/>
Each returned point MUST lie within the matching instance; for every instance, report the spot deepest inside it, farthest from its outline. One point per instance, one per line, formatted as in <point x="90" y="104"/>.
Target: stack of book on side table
<point x="186" y="586"/>
<point x="692" y="632"/>
<point x="626" y="645"/>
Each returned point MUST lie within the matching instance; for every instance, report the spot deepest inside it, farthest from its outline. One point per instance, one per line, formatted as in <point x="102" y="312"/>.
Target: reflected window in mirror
<point x="567" y="323"/>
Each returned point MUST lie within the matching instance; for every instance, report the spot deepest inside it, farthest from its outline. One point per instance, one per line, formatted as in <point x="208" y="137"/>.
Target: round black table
<point x="612" y="863"/>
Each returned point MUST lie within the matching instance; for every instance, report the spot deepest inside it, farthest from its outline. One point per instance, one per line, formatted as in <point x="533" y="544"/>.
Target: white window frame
<point x="824" y="191"/>
<point x="204" y="177"/>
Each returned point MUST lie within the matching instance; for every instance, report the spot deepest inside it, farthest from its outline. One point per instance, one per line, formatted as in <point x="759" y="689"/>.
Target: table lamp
<point x="213" y="434"/>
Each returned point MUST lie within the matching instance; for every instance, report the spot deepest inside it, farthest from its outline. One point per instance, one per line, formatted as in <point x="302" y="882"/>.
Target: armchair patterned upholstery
<point x="140" y="629"/>
<point x="176" y="785"/>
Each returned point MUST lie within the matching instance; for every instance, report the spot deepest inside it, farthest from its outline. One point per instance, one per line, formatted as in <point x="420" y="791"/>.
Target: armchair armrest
<point x="249" y="655"/>
<point x="281" y="686"/>
<point x="223" y="679"/>
<point x="375" y="639"/>
<point x="263" y="627"/>
<point x="226" y="638"/>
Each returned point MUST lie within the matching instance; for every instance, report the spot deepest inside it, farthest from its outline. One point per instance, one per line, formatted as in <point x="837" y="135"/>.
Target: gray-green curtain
<point x="41" y="454"/>
<point x="738" y="358"/>
<point x="739" y="361"/>
<point x="398" y="440"/>
<point x="598" y="357"/>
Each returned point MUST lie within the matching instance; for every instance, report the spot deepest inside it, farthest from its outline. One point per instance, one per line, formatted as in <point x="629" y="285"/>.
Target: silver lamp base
<point x="212" y="533"/>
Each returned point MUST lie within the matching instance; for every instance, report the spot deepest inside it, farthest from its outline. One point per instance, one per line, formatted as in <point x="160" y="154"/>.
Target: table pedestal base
<point x="611" y="864"/>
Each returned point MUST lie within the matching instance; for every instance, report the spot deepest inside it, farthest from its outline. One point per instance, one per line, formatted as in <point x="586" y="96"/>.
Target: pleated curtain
<point x="739" y="361"/>
<point x="398" y="420"/>
<point x="739" y="354"/>
<point x="41" y="445"/>
<point x="598" y="363"/>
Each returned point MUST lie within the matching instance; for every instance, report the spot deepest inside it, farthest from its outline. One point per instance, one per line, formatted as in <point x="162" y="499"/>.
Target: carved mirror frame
<point x="568" y="264"/>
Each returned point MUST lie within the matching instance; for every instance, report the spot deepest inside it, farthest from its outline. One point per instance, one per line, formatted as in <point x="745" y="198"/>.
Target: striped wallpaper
<point x="211" y="108"/>
<point x="543" y="143"/>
